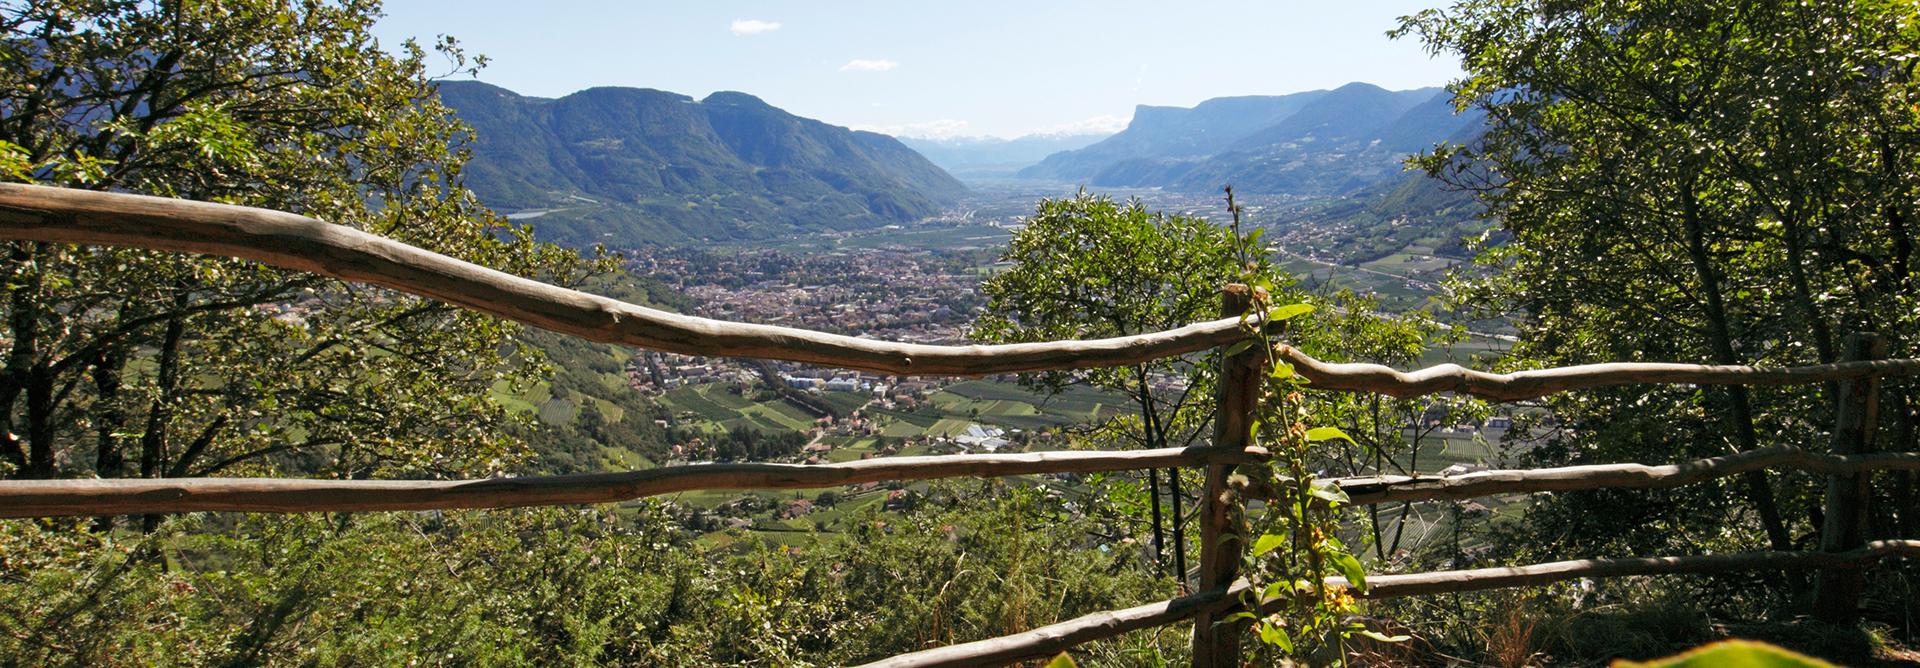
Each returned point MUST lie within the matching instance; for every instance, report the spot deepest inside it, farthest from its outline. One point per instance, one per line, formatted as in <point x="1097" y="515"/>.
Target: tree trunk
<point x="1836" y="593"/>
<point x="1759" y="492"/>
<point x="1159" y="534"/>
<point x="40" y="426"/>
<point x="22" y="318"/>
<point x="109" y="461"/>
<point x="153" y="443"/>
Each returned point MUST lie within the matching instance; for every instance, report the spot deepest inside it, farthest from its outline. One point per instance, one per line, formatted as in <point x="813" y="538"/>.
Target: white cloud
<point x="1104" y="124"/>
<point x="945" y="128"/>
<point x="753" y="26"/>
<point x="863" y="65"/>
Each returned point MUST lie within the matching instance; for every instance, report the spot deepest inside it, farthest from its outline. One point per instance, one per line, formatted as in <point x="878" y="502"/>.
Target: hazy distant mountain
<point x="628" y="166"/>
<point x="1172" y="133"/>
<point x="993" y="157"/>
<point x="1356" y="111"/>
<point x="1319" y="143"/>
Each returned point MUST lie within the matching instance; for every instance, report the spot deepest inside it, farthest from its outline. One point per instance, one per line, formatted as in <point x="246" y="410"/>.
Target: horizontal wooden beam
<point x="1446" y="582"/>
<point x="1523" y="385"/>
<point x="1053" y="639"/>
<point x="1391" y="488"/>
<point x="39" y="213"/>
<point x="52" y="498"/>
<point x="61" y="215"/>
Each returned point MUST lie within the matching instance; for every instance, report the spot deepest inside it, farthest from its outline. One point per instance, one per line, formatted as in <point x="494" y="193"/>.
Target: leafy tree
<point x="134" y="363"/>
<point x="1727" y="181"/>
<point x="551" y="586"/>
<point x="1089" y="267"/>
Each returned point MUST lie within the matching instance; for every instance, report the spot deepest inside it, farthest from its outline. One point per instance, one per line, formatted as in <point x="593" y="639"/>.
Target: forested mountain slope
<point x="626" y="166"/>
<point x="1313" y="144"/>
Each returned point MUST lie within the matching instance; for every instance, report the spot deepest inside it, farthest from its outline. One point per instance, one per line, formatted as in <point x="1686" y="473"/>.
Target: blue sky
<point x="924" y="68"/>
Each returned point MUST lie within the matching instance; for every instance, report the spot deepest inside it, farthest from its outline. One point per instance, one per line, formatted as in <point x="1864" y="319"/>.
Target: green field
<point x="716" y="406"/>
<point x="1474" y="348"/>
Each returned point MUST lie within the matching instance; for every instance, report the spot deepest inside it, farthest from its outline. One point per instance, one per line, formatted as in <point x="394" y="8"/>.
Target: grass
<point x="845" y="402"/>
<point x="720" y="408"/>
<point x="558" y="411"/>
<point x="524" y="402"/>
<point x="1472" y="349"/>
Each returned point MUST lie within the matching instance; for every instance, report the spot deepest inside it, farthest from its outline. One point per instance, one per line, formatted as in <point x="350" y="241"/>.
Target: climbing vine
<point x="1295" y="603"/>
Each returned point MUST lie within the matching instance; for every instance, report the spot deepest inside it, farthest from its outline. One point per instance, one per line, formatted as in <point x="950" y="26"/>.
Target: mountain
<point x="630" y="166"/>
<point x="1352" y="112"/>
<point x="1410" y="207"/>
<point x="1354" y="138"/>
<point x="994" y="157"/>
<point x="1314" y="144"/>
<point x="1174" y="133"/>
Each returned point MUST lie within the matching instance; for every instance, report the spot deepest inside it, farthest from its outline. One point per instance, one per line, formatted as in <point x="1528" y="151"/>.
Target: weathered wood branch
<point x="1223" y="522"/>
<point x="1052" y="639"/>
<point x="1524" y="385"/>
<point x="1836" y="591"/>
<point x="1442" y="582"/>
<point x="51" y="498"/>
<point x="39" y="213"/>
<point x="60" y="215"/>
<point x="1392" y="488"/>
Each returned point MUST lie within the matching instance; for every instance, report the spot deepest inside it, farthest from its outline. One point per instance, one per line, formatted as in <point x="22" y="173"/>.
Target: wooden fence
<point x="35" y="213"/>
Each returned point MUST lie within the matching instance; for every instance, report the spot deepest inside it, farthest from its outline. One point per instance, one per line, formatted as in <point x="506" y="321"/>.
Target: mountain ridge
<point x="630" y="166"/>
<point x="1318" y="143"/>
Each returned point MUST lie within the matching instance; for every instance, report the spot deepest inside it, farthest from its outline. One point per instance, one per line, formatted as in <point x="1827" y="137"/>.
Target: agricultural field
<point x="1405" y="280"/>
<point x="716" y="405"/>
<point x="1475" y="348"/>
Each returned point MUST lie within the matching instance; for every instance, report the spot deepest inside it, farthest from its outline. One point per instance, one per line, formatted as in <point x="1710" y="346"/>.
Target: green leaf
<point x="1240" y="347"/>
<point x="1061" y="661"/>
<point x="1281" y="371"/>
<point x="1734" y="654"/>
<point x="1274" y="635"/>
<point x="1330" y="492"/>
<point x="1267" y="543"/>
<point x="1350" y="567"/>
<point x="1288" y="312"/>
<point x="1318" y="434"/>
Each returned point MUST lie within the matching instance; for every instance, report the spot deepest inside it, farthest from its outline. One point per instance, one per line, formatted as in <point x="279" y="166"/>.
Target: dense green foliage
<point x="626" y="167"/>
<point x="1089" y="267"/>
<point x="556" y="587"/>
<point x="1729" y="182"/>
<point x="1725" y="182"/>
<point x="135" y="363"/>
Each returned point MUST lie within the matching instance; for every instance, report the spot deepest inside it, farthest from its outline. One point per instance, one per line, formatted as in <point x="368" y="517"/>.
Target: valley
<point x="918" y="282"/>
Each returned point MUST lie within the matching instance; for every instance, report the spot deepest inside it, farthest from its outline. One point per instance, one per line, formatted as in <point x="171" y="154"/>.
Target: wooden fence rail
<point x="1501" y="577"/>
<point x="132" y="496"/>
<point x="36" y="213"/>
<point x="1523" y="385"/>
<point x="1052" y="639"/>
<point x="56" y="215"/>
<point x="39" y="213"/>
<point x="1366" y="490"/>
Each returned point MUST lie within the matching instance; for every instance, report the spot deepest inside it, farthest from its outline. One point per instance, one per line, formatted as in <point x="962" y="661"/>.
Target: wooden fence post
<point x="1223" y="517"/>
<point x="1836" y="592"/>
